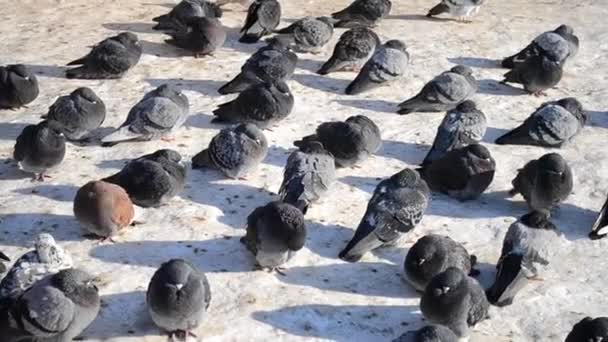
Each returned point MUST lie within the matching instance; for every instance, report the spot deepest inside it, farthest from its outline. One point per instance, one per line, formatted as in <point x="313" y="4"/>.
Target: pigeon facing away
<point x="350" y="142"/>
<point x="178" y="297"/>
<point x="309" y="173"/>
<point x="109" y="59"/>
<point x="274" y="233"/>
<point x="153" y="179"/>
<point x="78" y="114"/>
<point x="185" y="11"/>
<point x="103" y="209"/>
<point x="386" y="65"/>
<point x="536" y="74"/>
<point x="599" y="229"/>
<point x="457" y="8"/>
<point x="433" y="254"/>
<point x="263" y="104"/>
<point x="454" y="300"/>
<point x="544" y="182"/>
<point x="396" y="207"/>
<point x="18" y="86"/>
<point x="234" y="151"/>
<point x="551" y="125"/>
<point x="308" y="35"/>
<point x="353" y="49"/>
<point x="589" y="329"/>
<point x="560" y="42"/>
<point x="39" y="148"/>
<point x="263" y="17"/>
<point x="202" y="36"/>
<point x="443" y="92"/>
<point x="429" y="333"/>
<point x="366" y="13"/>
<point x="161" y="111"/>
<point x="3" y="258"/>
<point x="463" y="173"/>
<point x="462" y="126"/>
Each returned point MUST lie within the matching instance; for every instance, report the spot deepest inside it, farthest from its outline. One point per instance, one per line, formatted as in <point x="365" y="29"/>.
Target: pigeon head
<point x="282" y="87"/>
<point x="406" y="178"/>
<point x="19" y="69"/>
<point x="214" y="10"/>
<point x="313" y="146"/>
<point x="462" y="70"/>
<point x="45" y="247"/>
<point x="327" y="20"/>
<point x="425" y="255"/>
<point x="175" y="274"/>
<point x="170" y="92"/>
<point x="538" y="220"/>
<point x="85" y="93"/>
<point x="575" y="107"/>
<point x="396" y="44"/>
<point x="361" y="120"/>
<point x="479" y="151"/>
<point x="165" y="155"/>
<point x="564" y="30"/>
<point x="77" y="285"/>
<point x="589" y="329"/>
<point x="51" y="131"/>
<point x="252" y="131"/>
<point x="466" y="106"/>
<point x="447" y="283"/>
<point x="552" y="162"/>
<point x="127" y="38"/>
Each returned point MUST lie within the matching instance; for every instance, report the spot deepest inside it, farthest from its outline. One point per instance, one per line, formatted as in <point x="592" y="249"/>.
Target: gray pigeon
<point x="386" y="65"/>
<point x="536" y="74"/>
<point x="396" y="207"/>
<point x="159" y="113"/>
<point x="3" y="260"/>
<point x="462" y="9"/>
<point x="309" y="173"/>
<point x="589" y="330"/>
<point x="271" y="63"/>
<point x="599" y="229"/>
<point x="109" y="59"/>
<point x="528" y="245"/>
<point x="544" y="182"/>
<point x="366" y="13"/>
<point x="443" y="92"/>
<point x="178" y="297"/>
<point x="308" y="35"/>
<point x="18" y="86"/>
<point x="39" y="148"/>
<point x="184" y="11"/>
<point x="350" y="142"/>
<point x="263" y="104"/>
<point x="462" y="126"/>
<point x="551" y="125"/>
<point x="234" y="151"/>
<point x="153" y="179"/>
<point x="463" y="173"/>
<point x="454" y="300"/>
<point x="353" y="49"/>
<point x="263" y="16"/>
<point x="274" y="233"/>
<point x="78" y="114"/>
<point x="429" y="333"/>
<point x="433" y="254"/>
<point x="202" y="36"/>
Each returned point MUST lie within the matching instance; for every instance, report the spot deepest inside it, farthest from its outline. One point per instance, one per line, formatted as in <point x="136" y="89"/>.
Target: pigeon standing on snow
<point x="589" y="330"/>
<point x="263" y="16"/>
<point x="308" y="35"/>
<point x="366" y="13"/>
<point x="185" y="11"/>
<point x="234" y="151"/>
<point x="429" y="333"/>
<point x="464" y="125"/>
<point x="396" y="207"/>
<point x="18" y="86"/>
<point x="109" y="59"/>
<point x="39" y="148"/>
<point x="551" y="125"/>
<point x="178" y="297"/>
<point x="599" y="229"/>
<point x="350" y="142"/>
<point x="202" y="36"/>
<point x="443" y="92"/>
<point x="354" y="48"/>
<point x="536" y="74"/>
<point x="386" y="65"/>
<point x="457" y="8"/>
<point x="153" y="179"/>
<point x="274" y="233"/>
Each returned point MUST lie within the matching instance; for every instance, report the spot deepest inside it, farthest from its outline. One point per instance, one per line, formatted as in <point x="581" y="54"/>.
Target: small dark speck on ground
<point x="374" y="270"/>
<point x="404" y="324"/>
<point x="233" y="212"/>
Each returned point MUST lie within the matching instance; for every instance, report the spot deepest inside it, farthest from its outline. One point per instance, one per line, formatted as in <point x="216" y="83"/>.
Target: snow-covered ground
<point x="321" y="297"/>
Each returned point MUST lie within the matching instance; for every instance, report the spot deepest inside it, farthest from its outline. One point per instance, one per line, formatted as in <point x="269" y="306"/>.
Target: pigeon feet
<point x="167" y="139"/>
<point x="539" y="93"/>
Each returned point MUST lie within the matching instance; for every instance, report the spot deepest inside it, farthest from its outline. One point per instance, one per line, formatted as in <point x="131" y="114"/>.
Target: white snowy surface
<point x="321" y="297"/>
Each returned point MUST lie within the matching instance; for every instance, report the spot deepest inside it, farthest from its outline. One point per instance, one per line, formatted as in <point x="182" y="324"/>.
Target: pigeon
<point x="350" y="142"/>
<point x="178" y="297"/>
<point x="103" y="209"/>
<point x="263" y="16"/>
<point x="463" y="173"/>
<point x="202" y="36"/>
<point x="536" y="74"/>
<point x="433" y="254"/>
<point x="589" y="330"/>
<point x="462" y="126"/>
<point x="528" y="245"/>
<point x="3" y="258"/>
<point x="429" y="333"/>
<point x="184" y="11"/>
<point x="309" y="173"/>
<point x="457" y="8"/>
<point x="544" y="182"/>
<point x="263" y="104"/>
<point x="39" y="149"/>
<point x="366" y="13"/>
<point x="353" y="49"/>
<point x="552" y="125"/>
<point x="386" y="65"/>
<point x="79" y="114"/>
<point x="560" y="42"/>
<point x="153" y="179"/>
<point x="396" y="207"/>
<point x="271" y="63"/>
<point x="18" y="86"/>
<point x="234" y="151"/>
<point x="454" y="300"/>
<point x="443" y="92"/>
<point x="599" y="229"/>
<point x="160" y="112"/>
<point x="307" y="35"/>
<point x="274" y="233"/>
<point x="110" y="59"/>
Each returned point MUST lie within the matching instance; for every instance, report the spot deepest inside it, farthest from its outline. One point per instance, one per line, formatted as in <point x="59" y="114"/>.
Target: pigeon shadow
<point x="488" y="205"/>
<point x="162" y="50"/>
<point x="487" y="274"/>
<point x="55" y="71"/>
<point x="205" y="87"/>
<point x="493" y="133"/>
<point x="133" y="27"/>
<point x="203" y="121"/>
<point x="575" y="222"/>
<point x="493" y="87"/>
<point x="309" y="64"/>
<point x="320" y="238"/>
<point x="420" y="17"/>
<point x="323" y="83"/>
<point x="476" y="62"/>
<point x="277" y="155"/>
<point x="232" y="42"/>
<point x="19" y="229"/>
<point x="597" y="118"/>
<point x="410" y="153"/>
<point x="11" y="130"/>
<point x="9" y="170"/>
<point x="367" y="184"/>
<point x="117" y="164"/>
<point x="379" y="106"/>
<point x="60" y="192"/>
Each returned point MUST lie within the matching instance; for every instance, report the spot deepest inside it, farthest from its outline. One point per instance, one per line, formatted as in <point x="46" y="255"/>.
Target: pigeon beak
<point x="445" y="289"/>
<point x="421" y="261"/>
<point x="179" y="286"/>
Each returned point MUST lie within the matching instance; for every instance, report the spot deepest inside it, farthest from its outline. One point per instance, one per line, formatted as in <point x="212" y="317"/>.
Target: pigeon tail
<point x="439" y="9"/>
<point x="333" y="64"/>
<point x="237" y="85"/>
<point x="517" y="136"/>
<point x="119" y="135"/>
<point x="409" y="106"/>
<point x="358" y="86"/>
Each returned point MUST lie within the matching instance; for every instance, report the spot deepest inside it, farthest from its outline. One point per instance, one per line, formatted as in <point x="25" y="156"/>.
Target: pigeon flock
<point x="46" y="296"/>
